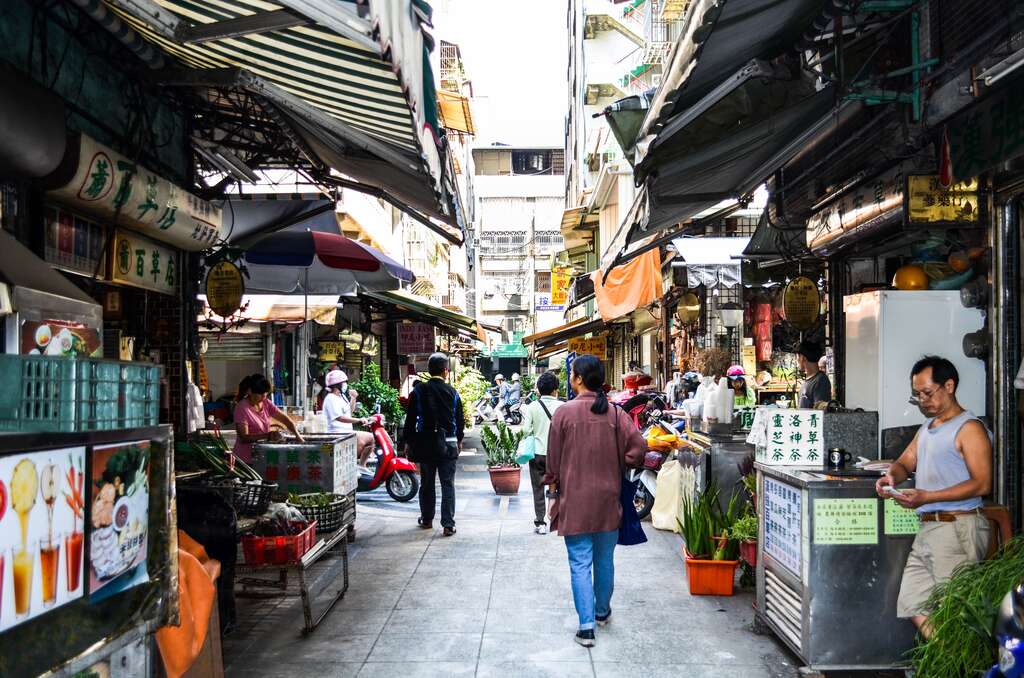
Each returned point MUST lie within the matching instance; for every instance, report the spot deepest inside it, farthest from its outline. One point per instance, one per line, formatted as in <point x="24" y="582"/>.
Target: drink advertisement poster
<point x="119" y="518"/>
<point x="41" y="532"/>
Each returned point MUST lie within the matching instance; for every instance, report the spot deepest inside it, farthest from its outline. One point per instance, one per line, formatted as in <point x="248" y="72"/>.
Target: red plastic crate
<point x="283" y="550"/>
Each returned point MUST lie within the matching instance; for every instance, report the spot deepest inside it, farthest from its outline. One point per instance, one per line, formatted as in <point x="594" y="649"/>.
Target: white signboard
<point x="783" y="529"/>
<point x="110" y="186"/>
<point x="543" y="302"/>
<point x="791" y="437"/>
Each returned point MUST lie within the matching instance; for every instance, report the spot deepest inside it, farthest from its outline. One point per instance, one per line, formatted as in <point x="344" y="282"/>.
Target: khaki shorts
<point x="939" y="548"/>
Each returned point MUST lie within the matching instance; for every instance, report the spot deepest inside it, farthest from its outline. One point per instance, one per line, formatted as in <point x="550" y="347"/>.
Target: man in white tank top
<point x="951" y="457"/>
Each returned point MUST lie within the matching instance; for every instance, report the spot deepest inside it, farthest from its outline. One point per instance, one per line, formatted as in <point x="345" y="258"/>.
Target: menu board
<point x="791" y="437"/>
<point x="41" y="539"/>
<point x="415" y="338"/>
<point x="783" y="529"/>
<point x="845" y="521"/>
<point x="119" y="517"/>
<point x="900" y="520"/>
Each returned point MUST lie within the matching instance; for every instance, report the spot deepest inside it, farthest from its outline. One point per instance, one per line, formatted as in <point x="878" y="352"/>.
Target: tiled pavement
<point x="494" y="600"/>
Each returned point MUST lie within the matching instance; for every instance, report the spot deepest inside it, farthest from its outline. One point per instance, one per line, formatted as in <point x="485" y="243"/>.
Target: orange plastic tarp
<point x="181" y="645"/>
<point x="628" y="287"/>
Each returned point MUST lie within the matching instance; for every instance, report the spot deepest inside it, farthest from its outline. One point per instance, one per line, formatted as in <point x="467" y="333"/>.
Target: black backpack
<point x="431" y="443"/>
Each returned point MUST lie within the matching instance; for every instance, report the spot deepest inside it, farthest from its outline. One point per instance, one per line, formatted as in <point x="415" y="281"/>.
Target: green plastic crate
<point x="37" y="393"/>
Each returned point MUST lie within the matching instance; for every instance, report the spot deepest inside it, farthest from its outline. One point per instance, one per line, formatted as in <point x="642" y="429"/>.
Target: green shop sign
<point x="510" y="351"/>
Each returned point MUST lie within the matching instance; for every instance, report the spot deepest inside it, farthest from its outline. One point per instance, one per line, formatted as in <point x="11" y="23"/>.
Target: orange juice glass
<point x="21" y="568"/>
<point x="49" y="562"/>
<point x="73" y="560"/>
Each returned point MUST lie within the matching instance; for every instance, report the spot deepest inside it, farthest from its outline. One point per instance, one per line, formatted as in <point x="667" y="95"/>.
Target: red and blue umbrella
<point x="311" y="262"/>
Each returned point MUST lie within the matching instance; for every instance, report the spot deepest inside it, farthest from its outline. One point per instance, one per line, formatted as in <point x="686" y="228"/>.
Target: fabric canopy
<point x="559" y="334"/>
<point x="248" y="220"/>
<point x="260" y="308"/>
<point x="628" y="287"/>
<point x="310" y="262"/>
<point x="430" y="313"/>
<point x="711" y="261"/>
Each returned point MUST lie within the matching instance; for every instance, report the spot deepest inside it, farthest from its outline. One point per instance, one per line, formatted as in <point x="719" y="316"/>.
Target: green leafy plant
<point x="963" y="613"/>
<point x="372" y="391"/>
<point x="470" y="384"/>
<point x="745" y="529"/>
<point x="526" y="383"/>
<point x="563" y="382"/>
<point x="706" y="527"/>
<point x="500" y="443"/>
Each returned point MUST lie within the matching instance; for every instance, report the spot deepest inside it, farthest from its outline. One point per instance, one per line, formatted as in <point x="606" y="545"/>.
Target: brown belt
<point x="945" y="516"/>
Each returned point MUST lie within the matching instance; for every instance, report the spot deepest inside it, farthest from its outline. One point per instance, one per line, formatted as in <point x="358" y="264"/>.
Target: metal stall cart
<point x="87" y="532"/>
<point x="830" y="560"/>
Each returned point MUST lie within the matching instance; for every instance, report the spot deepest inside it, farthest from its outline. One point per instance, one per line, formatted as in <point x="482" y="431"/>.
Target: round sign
<point x="689" y="308"/>
<point x="801" y="303"/>
<point x="224" y="288"/>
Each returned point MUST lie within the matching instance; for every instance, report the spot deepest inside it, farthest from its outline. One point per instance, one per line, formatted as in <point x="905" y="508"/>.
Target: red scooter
<point x="397" y="474"/>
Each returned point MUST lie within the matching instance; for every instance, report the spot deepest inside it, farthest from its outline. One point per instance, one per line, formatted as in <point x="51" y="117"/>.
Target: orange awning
<point x="629" y="286"/>
<point x="454" y="112"/>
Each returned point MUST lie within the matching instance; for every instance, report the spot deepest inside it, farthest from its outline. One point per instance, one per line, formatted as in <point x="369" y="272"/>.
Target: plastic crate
<point x="282" y="550"/>
<point x="57" y="394"/>
<point x="327" y="518"/>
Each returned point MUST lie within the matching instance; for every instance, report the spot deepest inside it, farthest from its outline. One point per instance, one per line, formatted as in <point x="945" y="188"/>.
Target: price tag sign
<point x="846" y="521"/>
<point x="900" y="520"/>
<point x="783" y="529"/>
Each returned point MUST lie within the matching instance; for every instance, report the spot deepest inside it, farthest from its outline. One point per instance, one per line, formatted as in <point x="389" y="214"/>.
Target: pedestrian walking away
<point x="434" y="427"/>
<point x="537" y="423"/>
<point x="951" y="458"/>
<point x="589" y="445"/>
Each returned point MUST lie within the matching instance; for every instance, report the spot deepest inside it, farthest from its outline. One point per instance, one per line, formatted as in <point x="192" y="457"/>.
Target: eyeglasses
<point x="917" y="396"/>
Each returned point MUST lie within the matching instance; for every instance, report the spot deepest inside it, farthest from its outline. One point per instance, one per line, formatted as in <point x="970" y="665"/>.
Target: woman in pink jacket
<point x="589" y="447"/>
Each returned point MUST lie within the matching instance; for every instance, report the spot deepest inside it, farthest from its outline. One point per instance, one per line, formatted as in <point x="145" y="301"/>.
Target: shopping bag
<point x="631" y="532"/>
<point x="667" y="497"/>
<point x="526" y="450"/>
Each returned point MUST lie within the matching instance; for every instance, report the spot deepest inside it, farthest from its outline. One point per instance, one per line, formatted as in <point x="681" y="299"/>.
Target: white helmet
<point x="335" y="377"/>
<point x="499" y="377"/>
<point x="515" y="376"/>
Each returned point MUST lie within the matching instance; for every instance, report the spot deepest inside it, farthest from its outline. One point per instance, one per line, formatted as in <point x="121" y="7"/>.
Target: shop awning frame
<point x="562" y="333"/>
<point x="424" y="311"/>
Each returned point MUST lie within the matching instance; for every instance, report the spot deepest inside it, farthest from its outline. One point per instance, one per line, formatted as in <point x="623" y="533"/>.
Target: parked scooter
<point x="662" y="439"/>
<point x="397" y="474"/>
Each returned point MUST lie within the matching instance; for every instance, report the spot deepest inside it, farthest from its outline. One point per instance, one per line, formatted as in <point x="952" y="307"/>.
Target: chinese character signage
<point x="415" y="338"/>
<point x="140" y="262"/>
<point x="783" y="529"/>
<point x="543" y="303"/>
<point x="801" y="303"/>
<point x="331" y="351"/>
<point x="929" y="202"/>
<point x="846" y="521"/>
<point x="597" y="346"/>
<point x="108" y="185"/>
<point x="298" y="469"/>
<point x="867" y="201"/>
<point x="560" y="279"/>
<point x="790" y="437"/>
<point x="224" y="288"/>
<point x="74" y="244"/>
<point x="899" y="520"/>
<point x="41" y="532"/>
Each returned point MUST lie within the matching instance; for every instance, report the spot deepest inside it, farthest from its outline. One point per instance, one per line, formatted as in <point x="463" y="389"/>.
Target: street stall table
<point x="830" y="561"/>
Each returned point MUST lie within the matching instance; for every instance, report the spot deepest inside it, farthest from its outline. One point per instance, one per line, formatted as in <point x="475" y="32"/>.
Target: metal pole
<point x="1004" y="325"/>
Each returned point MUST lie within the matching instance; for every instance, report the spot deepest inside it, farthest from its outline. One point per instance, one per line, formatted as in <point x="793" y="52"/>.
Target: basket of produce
<point x="239" y="482"/>
<point x="328" y="510"/>
<point x="278" y="542"/>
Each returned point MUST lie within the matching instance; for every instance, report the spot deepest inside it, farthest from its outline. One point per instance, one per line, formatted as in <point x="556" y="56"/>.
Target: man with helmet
<point x="339" y="404"/>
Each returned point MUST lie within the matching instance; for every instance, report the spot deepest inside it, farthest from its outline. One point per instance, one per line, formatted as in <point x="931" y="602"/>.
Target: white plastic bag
<point x="667" y="497"/>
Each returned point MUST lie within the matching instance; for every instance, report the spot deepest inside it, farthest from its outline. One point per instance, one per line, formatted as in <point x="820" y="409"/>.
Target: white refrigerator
<point x="888" y="331"/>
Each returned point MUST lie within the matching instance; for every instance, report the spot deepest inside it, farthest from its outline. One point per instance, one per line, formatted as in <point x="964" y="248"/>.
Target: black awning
<point x="776" y="243"/>
<point x="247" y="220"/>
<point x="625" y="118"/>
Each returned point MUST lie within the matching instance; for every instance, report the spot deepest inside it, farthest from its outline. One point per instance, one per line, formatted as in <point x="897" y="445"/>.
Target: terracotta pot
<point x="505" y="479"/>
<point x="748" y="552"/>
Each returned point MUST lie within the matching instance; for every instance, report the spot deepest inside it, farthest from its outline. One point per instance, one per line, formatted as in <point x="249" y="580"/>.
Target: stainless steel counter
<point x="830" y="561"/>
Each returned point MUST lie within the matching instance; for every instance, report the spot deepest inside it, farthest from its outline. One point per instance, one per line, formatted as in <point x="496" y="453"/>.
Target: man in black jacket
<point x="434" y="424"/>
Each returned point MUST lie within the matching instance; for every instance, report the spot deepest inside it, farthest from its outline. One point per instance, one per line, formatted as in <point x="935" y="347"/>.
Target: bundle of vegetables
<point x="313" y="500"/>
<point x="963" y="614"/>
<point x="280" y="520"/>
<point x="705" y="527"/>
<point x="211" y="452"/>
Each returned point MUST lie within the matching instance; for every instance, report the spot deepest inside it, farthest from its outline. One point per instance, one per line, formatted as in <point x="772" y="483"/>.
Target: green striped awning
<point x="351" y="78"/>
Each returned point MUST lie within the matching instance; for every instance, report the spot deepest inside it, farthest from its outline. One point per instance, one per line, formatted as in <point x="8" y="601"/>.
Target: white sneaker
<point x="541" y="529"/>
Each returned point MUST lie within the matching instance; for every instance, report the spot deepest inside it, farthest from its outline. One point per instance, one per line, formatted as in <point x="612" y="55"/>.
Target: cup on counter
<point x="838" y="458"/>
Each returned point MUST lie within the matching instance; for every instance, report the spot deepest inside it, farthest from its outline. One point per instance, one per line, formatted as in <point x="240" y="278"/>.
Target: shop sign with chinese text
<point x="801" y="303"/>
<point x="224" y="288"/>
<point x="415" y="338"/>
<point x="791" y="438"/>
<point x="864" y="203"/>
<point x="929" y="202"/>
<point x="74" y="244"/>
<point x="846" y="521"/>
<point x="331" y="351"/>
<point x="560" y="279"/>
<point x="107" y="185"/>
<point x="140" y="262"/>
<point x="543" y="302"/>
<point x="596" y="346"/>
<point x="329" y="467"/>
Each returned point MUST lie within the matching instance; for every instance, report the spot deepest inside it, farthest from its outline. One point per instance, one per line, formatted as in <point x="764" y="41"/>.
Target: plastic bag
<point x="667" y="497"/>
<point x="526" y="450"/>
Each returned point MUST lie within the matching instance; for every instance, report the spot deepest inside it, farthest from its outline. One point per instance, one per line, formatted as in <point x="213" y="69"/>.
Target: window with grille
<point x="503" y="242"/>
<point x="547" y="242"/>
<point x="543" y="285"/>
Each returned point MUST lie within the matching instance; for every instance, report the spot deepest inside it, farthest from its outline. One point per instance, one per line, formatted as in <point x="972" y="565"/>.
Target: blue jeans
<point x="592" y="593"/>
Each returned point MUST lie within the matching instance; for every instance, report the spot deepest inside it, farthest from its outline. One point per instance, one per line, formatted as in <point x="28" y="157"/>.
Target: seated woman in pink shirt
<point x="253" y="415"/>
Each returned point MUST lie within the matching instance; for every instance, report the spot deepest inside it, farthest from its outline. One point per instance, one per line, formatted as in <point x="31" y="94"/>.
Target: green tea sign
<point x="140" y="262"/>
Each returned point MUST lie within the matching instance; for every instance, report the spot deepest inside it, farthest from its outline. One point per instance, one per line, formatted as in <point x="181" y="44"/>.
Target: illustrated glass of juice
<point x="49" y="562"/>
<point x="73" y="559"/>
<point x="22" y="564"/>
<point x="1" y="581"/>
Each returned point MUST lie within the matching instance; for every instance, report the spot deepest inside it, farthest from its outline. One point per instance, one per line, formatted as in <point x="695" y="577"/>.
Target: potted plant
<point x="500" y="444"/>
<point x="711" y="553"/>
<point x="744" y="531"/>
